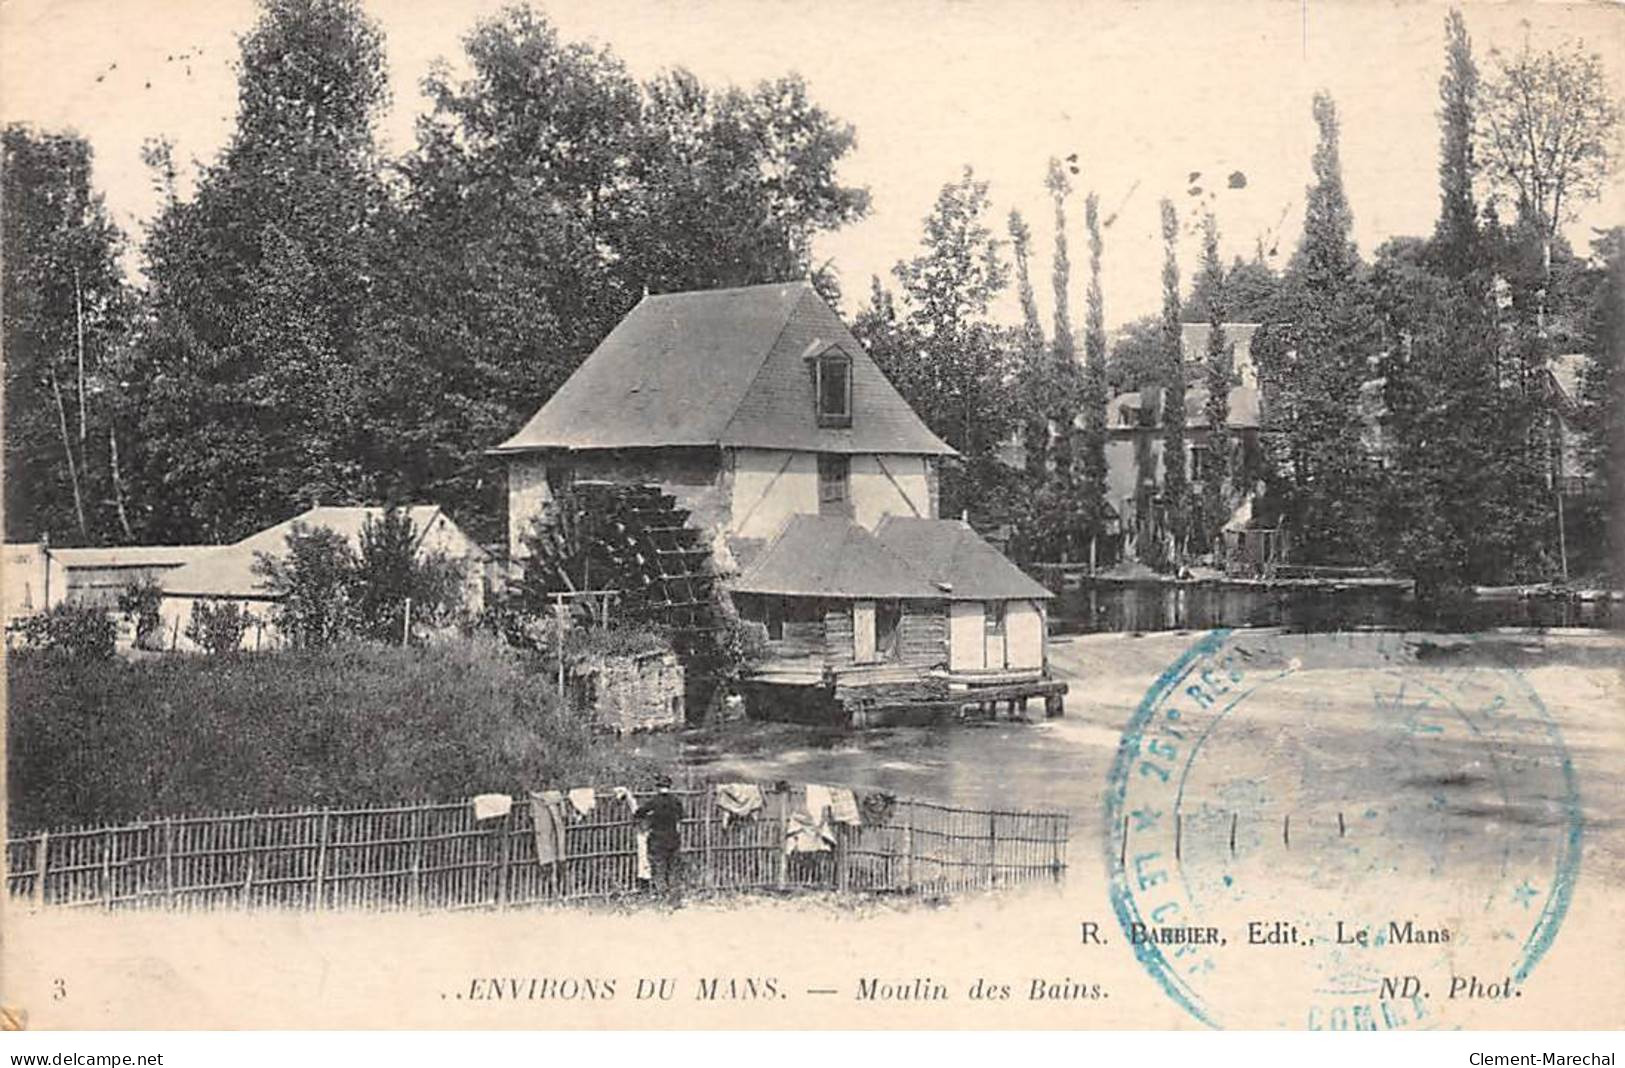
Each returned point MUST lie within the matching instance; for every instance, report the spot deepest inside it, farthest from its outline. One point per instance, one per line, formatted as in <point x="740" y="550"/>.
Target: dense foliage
<point x="353" y="724"/>
<point x="321" y="322"/>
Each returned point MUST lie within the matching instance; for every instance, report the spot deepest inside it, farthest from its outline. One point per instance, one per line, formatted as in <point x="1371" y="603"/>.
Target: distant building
<point x="1567" y="373"/>
<point x="227" y="574"/>
<point x="813" y="483"/>
<point x="38" y="577"/>
<point x="747" y="405"/>
<point x="921" y="605"/>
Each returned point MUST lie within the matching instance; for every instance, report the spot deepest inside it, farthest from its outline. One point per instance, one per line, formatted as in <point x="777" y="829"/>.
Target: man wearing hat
<point x="663" y="816"/>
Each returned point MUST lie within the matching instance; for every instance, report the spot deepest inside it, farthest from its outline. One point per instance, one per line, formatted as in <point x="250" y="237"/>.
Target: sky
<point x="1145" y="93"/>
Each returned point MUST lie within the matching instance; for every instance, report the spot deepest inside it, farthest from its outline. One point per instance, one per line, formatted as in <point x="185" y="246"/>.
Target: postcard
<point x="631" y="515"/>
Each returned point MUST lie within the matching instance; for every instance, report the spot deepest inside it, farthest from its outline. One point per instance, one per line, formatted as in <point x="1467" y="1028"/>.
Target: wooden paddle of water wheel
<point x="635" y="540"/>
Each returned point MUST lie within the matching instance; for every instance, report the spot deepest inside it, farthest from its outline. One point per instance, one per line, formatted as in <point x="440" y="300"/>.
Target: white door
<point x="863" y="632"/>
<point x="996" y="644"/>
<point x="1024" y="633"/>
<point x="965" y="639"/>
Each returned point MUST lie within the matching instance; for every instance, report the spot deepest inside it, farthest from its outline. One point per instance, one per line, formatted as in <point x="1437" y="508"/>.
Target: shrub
<point x="218" y="626"/>
<point x="72" y="632"/>
<point x="316" y="582"/>
<point x="389" y="572"/>
<point x="139" y="603"/>
<point x="350" y="724"/>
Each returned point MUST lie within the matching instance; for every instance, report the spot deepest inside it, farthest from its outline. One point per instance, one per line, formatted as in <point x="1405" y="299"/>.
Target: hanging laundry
<point x="645" y="872"/>
<point x="818" y="802"/>
<point x="622" y="793"/>
<point x="583" y="799"/>
<point x="738" y="800"/>
<point x="490" y="806"/>
<point x="803" y="834"/>
<point x="877" y="807"/>
<point x="843" y="807"/>
<point x="547" y="815"/>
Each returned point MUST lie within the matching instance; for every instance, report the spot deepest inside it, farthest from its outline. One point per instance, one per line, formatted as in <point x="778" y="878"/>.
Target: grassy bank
<point x="360" y="724"/>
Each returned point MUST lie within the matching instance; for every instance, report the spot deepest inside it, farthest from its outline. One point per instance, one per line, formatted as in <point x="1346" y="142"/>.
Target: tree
<point x="1136" y="361"/>
<point x="1175" y="483"/>
<point x="1456" y="234"/>
<point x="945" y="356"/>
<point x="1550" y="134"/>
<point x="1218" y="375"/>
<point x="548" y="190"/>
<point x="314" y="581"/>
<point x="1090" y="439"/>
<point x="1313" y="364"/>
<point x="1602" y="391"/>
<point x="1035" y="429"/>
<point x="1063" y="385"/>
<point x="396" y="585"/>
<point x="66" y="313"/>
<point x="264" y="290"/>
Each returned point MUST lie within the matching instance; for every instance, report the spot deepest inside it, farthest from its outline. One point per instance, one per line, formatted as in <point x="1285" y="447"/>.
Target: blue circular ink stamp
<point x="1340" y="831"/>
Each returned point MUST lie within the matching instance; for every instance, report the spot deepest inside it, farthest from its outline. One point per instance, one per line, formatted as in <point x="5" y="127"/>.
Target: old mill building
<point x="814" y="485"/>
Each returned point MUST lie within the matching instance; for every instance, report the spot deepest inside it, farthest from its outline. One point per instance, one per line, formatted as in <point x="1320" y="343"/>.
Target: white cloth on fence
<point x="807" y="830"/>
<point x="645" y="872"/>
<point x="583" y="799"/>
<point x="843" y="807"/>
<point x="738" y="800"/>
<point x="623" y="793"/>
<point x="490" y="806"/>
<point x="818" y="802"/>
<point x="803" y="834"/>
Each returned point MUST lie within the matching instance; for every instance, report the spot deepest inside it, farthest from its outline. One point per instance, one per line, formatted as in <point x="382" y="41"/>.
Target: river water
<point x="1130" y="606"/>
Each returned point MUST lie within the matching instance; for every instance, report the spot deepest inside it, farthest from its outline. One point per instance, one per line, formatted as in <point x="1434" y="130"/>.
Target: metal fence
<point x="438" y="856"/>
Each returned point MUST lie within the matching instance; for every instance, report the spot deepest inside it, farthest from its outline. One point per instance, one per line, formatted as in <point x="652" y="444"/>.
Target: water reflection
<point x="1130" y="605"/>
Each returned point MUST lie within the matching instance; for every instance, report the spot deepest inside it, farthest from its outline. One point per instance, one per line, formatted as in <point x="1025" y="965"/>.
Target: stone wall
<point x="627" y="693"/>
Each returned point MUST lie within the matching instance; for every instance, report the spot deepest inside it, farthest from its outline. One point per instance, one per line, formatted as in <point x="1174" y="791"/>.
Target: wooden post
<point x="500" y="892"/>
<point x="169" y="862"/>
<point x="107" y="869"/>
<point x="992" y="849"/>
<point x="406" y="626"/>
<point x="843" y="874"/>
<point x="248" y="879"/>
<point x="908" y="848"/>
<point x="781" y="864"/>
<point x="321" y="859"/>
<point x="41" y="867"/>
<point x="558" y="615"/>
<point x="415" y="892"/>
<point x="707" y="833"/>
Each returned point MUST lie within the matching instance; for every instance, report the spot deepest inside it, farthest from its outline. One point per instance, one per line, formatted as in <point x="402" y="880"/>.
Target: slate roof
<point x="955" y="559"/>
<point x="831" y="556"/>
<point x="725" y="367"/>
<point x="1193" y="340"/>
<point x="228" y="571"/>
<point x="1243" y="409"/>
<point x="131" y="556"/>
<point x="906" y="558"/>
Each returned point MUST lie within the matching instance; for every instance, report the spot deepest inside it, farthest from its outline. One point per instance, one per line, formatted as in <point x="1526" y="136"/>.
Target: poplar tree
<point x="1034" y="424"/>
<point x="1218" y="375"/>
<point x="1091" y="451"/>
<point x="1456" y="233"/>
<point x="1175" y="483"/>
<point x="1063" y="378"/>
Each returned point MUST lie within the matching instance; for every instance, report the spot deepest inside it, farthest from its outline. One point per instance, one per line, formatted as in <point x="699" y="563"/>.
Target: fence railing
<point x="438" y="856"/>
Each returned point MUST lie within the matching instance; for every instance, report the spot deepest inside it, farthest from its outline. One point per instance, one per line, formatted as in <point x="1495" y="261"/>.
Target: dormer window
<point x="832" y="374"/>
